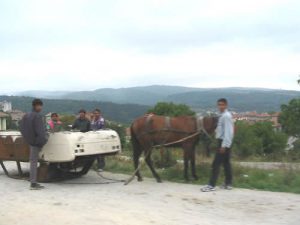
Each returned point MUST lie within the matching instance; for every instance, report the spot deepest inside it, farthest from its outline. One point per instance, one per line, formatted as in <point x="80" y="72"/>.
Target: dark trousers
<point x="101" y="162"/>
<point x="221" y="159"/>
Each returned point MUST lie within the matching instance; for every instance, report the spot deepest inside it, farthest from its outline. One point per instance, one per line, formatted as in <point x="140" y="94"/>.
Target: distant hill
<point x="241" y="99"/>
<point x="43" y="94"/>
<point x="124" y="113"/>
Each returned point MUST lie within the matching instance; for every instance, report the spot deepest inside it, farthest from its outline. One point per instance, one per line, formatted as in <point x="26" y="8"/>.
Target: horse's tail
<point x="136" y="155"/>
<point x="134" y="142"/>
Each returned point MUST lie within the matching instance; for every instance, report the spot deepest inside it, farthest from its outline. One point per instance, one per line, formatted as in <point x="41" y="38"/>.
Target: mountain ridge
<point x="240" y="98"/>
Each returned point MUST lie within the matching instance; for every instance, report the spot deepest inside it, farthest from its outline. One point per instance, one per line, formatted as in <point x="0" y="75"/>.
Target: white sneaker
<point x="208" y="188"/>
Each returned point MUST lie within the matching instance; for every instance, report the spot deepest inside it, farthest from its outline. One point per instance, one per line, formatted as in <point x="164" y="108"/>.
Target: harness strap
<point x="148" y="122"/>
<point x="168" y="122"/>
<point x="148" y="127"/>
<point x="200" y="126"/>
<point x="199" y="123"/>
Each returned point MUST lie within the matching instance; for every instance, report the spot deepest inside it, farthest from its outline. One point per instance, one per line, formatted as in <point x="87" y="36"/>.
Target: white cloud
<point x="62" y="45"/>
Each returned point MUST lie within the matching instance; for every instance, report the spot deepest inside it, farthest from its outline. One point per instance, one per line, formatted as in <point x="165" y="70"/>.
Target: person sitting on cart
<point x="98" y="123"/>
<point x="82" y="123"/>
<point x="54" y="125"/>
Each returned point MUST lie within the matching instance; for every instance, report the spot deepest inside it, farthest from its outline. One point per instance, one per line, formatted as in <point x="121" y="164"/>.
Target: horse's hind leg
<point x="186" y="164"/>
<point x="136" y="158"/>
<point x="150" y="164"/>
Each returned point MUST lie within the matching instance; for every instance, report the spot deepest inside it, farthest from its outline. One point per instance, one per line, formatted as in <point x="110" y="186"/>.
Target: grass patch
<point x="284" y="180"/>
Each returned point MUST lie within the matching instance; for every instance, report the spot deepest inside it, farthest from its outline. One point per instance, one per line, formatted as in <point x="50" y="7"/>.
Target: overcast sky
<point x="90" y="44"/>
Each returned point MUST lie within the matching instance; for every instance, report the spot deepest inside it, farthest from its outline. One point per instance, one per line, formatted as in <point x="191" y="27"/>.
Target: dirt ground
<point x="141" y="203"/>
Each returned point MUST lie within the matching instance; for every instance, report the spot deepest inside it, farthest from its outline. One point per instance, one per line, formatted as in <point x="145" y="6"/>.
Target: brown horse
<point x="151" y="130"/>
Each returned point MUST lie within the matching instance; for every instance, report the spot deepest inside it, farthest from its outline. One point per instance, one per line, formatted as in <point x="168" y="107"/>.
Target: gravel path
<point x="141" y="204"/>
<point x="270" y="165"/>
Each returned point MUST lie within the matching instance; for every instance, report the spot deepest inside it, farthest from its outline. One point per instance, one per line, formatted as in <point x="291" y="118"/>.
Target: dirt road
<point x="141" y="204"/>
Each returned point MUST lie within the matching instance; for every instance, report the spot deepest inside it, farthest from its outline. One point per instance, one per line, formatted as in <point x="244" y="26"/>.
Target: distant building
<point x="3" y="121"/>
<point x="291" y="142"/>
<point x="254" y="117"/>
<point x="5" y="106"/>
<point x="48" y="117"/>
<point x="16" y="116"/>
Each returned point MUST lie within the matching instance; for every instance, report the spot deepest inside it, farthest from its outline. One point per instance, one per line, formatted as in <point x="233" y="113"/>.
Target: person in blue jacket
<point x="98" y="123"/>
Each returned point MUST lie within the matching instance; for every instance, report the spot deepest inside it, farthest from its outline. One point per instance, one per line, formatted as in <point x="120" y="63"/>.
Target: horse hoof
<point x="140" y="179"/>
<point x="159" y="181"/>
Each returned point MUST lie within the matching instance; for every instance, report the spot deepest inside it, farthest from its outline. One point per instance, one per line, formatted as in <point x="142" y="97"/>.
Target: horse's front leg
<point x="186" y="165"/>
<point x="136" y="158"/>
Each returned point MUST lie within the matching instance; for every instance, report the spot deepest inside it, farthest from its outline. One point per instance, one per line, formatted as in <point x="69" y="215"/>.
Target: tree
<point x="246" y="143"/>
<point x="171" y="109"/>
<point x="258" y="139"/>
<point x="295" y="152"/>
<point x="119" y="128"/>
<point x="290" y="117"/>
<point x="67" y="120"/>
<point x="272" y="141"/>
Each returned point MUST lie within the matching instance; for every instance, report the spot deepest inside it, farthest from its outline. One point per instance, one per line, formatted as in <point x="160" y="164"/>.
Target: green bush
<point x="295" y="152"/>
<point x="259" y="139"/>
<point x="67" y="120"/>
<point x="290" y="116"/>
<point x="171" y="109"/>
<point x="120" y="129"/>
<point x="246" y="143"/>
<point x="163" y="158"/>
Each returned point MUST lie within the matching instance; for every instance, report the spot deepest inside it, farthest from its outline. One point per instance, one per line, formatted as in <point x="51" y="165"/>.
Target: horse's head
<point x="210" y="124"/>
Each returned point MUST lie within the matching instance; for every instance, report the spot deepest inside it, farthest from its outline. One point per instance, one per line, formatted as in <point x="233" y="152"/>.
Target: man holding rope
<point x="224" y="134"/>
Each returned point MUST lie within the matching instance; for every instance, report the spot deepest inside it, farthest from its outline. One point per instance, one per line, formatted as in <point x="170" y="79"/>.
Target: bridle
<point x="201" y="128"/>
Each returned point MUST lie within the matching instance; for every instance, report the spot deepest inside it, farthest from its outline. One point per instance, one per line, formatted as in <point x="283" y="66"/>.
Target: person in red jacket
<point x="54" y="125"/>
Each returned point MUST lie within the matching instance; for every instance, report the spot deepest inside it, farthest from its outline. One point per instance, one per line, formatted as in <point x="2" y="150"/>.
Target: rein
<point x="177" y="142"/>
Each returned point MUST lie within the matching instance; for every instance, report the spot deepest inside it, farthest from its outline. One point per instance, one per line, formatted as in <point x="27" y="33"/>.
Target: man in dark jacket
<point x="34" y="132"/>
<point x="82" y="123"/>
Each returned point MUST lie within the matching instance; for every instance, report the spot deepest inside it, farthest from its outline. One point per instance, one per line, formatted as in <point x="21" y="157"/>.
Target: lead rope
<point x="108" y="181"/>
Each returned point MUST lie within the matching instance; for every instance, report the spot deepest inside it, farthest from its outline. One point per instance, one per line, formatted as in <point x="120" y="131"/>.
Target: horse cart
<point x="67" y="154"/>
